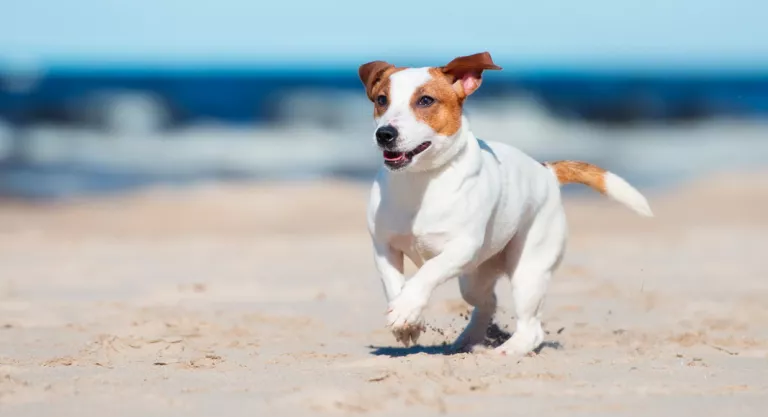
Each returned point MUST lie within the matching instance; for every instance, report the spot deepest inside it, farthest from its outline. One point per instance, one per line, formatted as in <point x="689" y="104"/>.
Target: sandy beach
<point x="250" y="299"/>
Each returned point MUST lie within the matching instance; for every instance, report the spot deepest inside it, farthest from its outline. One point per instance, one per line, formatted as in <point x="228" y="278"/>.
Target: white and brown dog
<point x="461" y="207"/>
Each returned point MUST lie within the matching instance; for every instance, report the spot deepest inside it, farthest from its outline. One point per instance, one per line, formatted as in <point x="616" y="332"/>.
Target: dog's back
<point x="570" y="172"/>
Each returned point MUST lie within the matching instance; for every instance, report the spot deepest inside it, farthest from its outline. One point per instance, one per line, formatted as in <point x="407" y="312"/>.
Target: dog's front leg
<point x="389" y="264"/>
<point x="405" y="311"/>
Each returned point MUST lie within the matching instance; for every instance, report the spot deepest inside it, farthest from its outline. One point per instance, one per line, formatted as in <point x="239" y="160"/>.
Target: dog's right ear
<point x="370" y="74"/>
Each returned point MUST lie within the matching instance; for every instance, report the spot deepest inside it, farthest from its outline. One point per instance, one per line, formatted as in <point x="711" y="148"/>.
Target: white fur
<point x="474" y="210"/>
<point x="620" y="190"/>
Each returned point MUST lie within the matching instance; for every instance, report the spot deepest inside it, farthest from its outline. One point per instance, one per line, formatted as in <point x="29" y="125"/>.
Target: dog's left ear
<point x="370" y="74"/>
<point x="466" y="72"/>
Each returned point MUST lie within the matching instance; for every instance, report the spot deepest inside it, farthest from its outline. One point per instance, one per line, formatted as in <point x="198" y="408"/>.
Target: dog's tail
<point x="602" y="181"/>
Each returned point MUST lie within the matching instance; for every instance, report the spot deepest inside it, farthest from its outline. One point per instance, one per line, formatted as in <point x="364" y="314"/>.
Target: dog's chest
<point x="422" y="222"/>
<point x="425" y="233"/>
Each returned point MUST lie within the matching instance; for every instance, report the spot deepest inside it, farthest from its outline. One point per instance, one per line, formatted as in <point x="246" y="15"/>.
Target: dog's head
<point x="418" y="111"/>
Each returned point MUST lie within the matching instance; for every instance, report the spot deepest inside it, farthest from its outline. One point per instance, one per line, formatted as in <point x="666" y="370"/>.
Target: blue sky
<point x="591" y="33"/>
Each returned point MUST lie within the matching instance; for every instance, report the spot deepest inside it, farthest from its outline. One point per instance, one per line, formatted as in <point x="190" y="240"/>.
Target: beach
<point x="261" y="298"/>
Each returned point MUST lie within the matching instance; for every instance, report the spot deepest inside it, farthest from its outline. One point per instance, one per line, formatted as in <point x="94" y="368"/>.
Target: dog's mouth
<point x="397" y="160"/>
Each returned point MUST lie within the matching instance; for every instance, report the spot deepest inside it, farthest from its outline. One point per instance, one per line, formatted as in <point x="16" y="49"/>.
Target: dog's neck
<point x="447" y="173"/>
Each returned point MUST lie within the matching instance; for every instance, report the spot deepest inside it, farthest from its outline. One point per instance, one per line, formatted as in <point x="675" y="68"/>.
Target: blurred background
<point x="106" y="96"/>
<point x="183" y="191"/>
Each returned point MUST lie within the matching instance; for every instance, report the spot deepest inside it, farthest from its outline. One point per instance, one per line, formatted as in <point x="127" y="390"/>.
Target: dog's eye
<point x="381" y="100"/>
<point x="425" y="101"/>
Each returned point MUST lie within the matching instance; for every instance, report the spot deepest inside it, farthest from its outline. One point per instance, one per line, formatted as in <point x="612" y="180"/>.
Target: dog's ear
<point x="466" y="72"/>
<point x="371" y="73"/>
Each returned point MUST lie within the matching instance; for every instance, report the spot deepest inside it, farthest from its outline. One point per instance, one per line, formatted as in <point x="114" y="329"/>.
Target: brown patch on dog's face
<point x="437" y="104"/>
<point x="380" y="93"/>
<point x="375" y="76"/>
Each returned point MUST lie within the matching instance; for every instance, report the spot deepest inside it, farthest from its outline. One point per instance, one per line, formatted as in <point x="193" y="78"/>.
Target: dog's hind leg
<point x="477" y="289"/>
<point x="531" y="267"/>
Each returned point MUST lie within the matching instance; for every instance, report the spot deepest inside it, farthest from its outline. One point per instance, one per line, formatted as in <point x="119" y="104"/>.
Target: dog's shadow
<point x="495" y="336"/>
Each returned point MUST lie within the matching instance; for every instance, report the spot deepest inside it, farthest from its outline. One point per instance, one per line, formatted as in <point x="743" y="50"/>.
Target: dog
<point x="461" y="207"/>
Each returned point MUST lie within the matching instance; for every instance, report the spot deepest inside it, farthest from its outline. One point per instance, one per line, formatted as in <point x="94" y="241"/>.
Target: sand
<point x="250" y="299"/>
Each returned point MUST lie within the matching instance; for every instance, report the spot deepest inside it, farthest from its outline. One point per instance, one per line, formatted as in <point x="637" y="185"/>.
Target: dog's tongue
<point x="394" y="156"/>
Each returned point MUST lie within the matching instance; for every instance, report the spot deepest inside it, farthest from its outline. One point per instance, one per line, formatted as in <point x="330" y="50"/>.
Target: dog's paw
<point x="408" y="335"/>
<point x="522" y="343"/>
<point x="469" y="340"/>
<point x="404" y="316"/>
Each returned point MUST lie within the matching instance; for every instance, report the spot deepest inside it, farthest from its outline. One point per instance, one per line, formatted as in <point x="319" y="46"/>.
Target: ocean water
<point x="74" y="132"/>
<point x="59" y="161"/>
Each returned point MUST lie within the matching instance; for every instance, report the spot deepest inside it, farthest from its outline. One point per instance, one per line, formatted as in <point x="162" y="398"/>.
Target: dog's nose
<point x="386" y="135"/>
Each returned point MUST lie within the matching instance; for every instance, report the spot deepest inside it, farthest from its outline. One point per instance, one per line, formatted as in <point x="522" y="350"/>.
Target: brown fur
<point x="466" y="72"/>
<point x="450" y="86"/>
<point x="375" y="75"/>
<point x="569" y="172"/>
<point x="444" y="116"/>
<point x="371" y="74"/>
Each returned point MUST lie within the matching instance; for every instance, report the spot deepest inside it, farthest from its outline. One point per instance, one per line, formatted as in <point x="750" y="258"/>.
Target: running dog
<point x="460" y="207"/>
